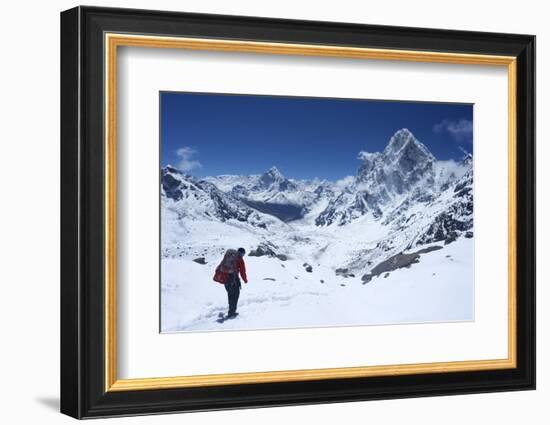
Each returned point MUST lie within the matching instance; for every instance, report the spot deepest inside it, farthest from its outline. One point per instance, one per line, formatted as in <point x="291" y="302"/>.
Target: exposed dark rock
<point x="429" y="249"/>
<point x="425" y="198"/>
<point x="271" y="177"/>
<point x="469" y="235"/>
<point x="393" y="263"/>
<point x="308" y="267"/>
<point x="386" y="275"/>
<point x="200" y="260"/>
<point x="239" y="191"/>
<point x="224" y="206"/>
<point x="287" y="185"/>
<point x="445" y="226"/>
<point x="171" y="187"/>
<point x="341" y="272"/>
<point x="451" y="237"/>
<point x="269" y="278"/>
<point x="263" y="250"/>
<point x="385" y="245"/>
<point x="267" y="249"/>
<point x="461" y="186"/>
<point x="456" y="219"/>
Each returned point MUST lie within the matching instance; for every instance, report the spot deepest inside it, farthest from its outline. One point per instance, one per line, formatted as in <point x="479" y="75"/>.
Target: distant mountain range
<point x="399" y="199"/>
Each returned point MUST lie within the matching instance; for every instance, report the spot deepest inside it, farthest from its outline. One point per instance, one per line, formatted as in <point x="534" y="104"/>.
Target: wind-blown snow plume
<point x="460" y="130"/>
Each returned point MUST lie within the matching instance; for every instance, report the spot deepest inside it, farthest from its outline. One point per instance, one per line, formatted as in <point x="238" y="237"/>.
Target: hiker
<point x="228" y="273"/>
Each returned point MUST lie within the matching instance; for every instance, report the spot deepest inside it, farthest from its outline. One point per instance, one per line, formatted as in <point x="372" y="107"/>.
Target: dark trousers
<point x="233" y="288"/>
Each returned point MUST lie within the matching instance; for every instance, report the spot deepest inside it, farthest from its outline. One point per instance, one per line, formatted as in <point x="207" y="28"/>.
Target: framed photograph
<point x="261" y="212"/>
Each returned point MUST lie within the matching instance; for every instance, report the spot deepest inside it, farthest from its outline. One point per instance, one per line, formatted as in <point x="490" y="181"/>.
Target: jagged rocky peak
<point x="172" y="180"/>
<point x="404" y="148"/>
<point x="368" y="162"/>
<point x="383" y="177"/>
<point x="467" y="160"/>
<point x="170" y="169"/>
<point x="194" y="198"/>
<point x="404" y="162"/>
<point x="273" y="175"/>
<point x="273" y="179"/>
<point x="398" y="140"/>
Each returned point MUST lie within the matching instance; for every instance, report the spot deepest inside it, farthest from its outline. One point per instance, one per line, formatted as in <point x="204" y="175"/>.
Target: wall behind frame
<point x="29" y="217"/>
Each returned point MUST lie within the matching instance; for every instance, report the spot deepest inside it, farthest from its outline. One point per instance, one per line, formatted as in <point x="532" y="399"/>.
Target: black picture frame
<point x="83" y="392"/>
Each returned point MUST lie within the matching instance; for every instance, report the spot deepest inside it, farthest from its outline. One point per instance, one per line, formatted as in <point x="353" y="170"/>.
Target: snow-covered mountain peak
<point x="403" y="144"/>
<point x="390" y="188"/>
<point x="403" y="154"/>
<point x="404" y="162"/>
<point x="273" y="175"/>
<point x="398" y="140"/>
<point x="171" y="169"/>
<point x="406" y="168"/>
<point x="274" y="171"/>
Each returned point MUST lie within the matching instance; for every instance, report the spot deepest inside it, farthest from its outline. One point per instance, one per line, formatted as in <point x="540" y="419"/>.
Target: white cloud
<point x="367" y="156"/>
<point x="460" y="130"/>
<point x="344" y="182"/>
<point x="186" y="162"/>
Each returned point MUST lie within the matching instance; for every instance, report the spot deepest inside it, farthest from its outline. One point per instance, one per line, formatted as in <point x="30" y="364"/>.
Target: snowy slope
<point x="438" y="288"/>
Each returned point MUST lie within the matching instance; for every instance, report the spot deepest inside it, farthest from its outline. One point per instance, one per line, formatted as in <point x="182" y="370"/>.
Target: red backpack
<point x="227" y="265"/>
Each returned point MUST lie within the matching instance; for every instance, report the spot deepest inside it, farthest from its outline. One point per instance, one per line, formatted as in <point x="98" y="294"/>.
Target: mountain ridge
<point x="399" y="199"/>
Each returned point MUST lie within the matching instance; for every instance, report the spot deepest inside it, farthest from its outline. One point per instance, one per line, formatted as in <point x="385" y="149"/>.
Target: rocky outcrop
<point x="200" y="260"/>
<point x="265" y="249"/>
<point x="456" y="219"/>
<point x="393" y="263"/>
<point x="397" y="261"/>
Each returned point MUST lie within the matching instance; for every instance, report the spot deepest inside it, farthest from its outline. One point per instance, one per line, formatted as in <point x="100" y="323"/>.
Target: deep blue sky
<point x="304" y="137"/>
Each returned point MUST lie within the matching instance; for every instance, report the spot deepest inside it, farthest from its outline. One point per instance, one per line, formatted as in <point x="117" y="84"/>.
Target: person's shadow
<point x="49" y="402"/>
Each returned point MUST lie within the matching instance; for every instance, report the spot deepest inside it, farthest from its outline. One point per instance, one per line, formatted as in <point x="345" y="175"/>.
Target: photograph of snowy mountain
<point x="349" y="212"/>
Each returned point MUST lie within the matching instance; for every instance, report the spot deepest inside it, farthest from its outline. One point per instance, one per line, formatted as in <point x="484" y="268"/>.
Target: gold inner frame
<point x="113" y="41"/>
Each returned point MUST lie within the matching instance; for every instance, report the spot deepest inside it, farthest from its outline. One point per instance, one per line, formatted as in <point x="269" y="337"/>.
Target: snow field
<point x="438" y="288"/>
